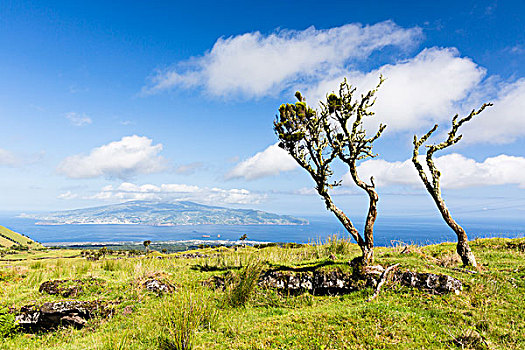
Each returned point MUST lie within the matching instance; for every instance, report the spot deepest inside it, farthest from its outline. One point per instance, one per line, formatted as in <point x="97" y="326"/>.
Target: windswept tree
<point x="433" y="185"/>
<point x="315" y="139"/>
<point x="146" y="245"/>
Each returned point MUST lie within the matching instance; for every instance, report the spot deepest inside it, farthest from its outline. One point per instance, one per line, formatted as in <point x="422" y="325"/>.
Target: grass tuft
<point x="241" y="284"/>
<point x="181" y="315"/>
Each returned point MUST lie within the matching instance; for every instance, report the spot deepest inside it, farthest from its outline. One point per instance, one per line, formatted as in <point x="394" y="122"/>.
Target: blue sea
<point x="388" y="231"/>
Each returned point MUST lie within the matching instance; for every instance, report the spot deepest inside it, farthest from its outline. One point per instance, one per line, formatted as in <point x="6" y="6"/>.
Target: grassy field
<point x="488" y="314"/>
<point x="9" y="238"/>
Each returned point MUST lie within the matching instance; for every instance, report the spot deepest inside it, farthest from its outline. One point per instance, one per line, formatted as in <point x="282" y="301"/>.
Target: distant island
<point x="163" y="214"/>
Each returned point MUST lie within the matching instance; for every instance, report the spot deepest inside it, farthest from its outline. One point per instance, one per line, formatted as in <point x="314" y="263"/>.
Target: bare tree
<point x="315" y="139"/>
<point x="433" y="187"/>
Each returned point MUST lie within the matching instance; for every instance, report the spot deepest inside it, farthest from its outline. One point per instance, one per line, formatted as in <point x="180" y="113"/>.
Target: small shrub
<point x="8" y="324"/>
<point x="336" y="245"/>
<point x="109" y="265"/>
<point x="242" y="284"/>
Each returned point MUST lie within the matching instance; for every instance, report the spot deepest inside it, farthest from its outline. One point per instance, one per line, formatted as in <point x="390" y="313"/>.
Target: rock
<point x="158" y="287"/>
<point x="48" y="316"/>
<point x="67" y="288"/>
<point x="338" y="282"/>
<point x="316" y="282"/>
<point x="192" y="256"/>
<point x="215" y="282"/>
<point x="430" y="282"/>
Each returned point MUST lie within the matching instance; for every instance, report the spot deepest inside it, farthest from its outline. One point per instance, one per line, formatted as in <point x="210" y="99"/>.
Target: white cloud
<point x="255" y="64"/>
<point x="8" y="159"/>
<point x="426" y="89"/>
<point x="271" y="161"/>
<point x="502" y="123"/>
<point x="122" y="159"/>
<point x="417" y="92"/>
<point x="67" y="195"/>
<point x="457" y="171"/>
<point x="432" y="87"/>
<point x="78" y="119"/>
<point x="130" y="191"/>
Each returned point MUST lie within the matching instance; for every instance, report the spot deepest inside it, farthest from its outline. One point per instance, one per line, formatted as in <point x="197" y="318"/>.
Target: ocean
<point x="388" y="231"/>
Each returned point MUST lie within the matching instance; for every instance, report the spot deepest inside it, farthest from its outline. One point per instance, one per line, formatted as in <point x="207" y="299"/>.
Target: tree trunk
<point x="462" y="248"/>
<point x="367" y="252"/>
<point x="373" y="198"/>
<point x="371" y="219"/>
<point x="467" y="257"/>
<point x="368" y="256"/>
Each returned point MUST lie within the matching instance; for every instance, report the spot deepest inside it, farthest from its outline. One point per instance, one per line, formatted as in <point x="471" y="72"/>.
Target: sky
<point x="103" y="102"/>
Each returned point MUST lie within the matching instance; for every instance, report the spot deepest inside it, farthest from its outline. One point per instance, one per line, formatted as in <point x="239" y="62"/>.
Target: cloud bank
<point x="256" y="65"/>
<point x="428" y="88"/>
<point x="130" y="191"/>
<point x="417" y="92"/>
<point x="457" y="172"/>
<point x="130" y="156"/>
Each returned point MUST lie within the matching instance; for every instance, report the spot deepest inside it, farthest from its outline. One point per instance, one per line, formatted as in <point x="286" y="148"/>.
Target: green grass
<point x="4" y="242"/>
<point x="8" y="238"/>
<point x="488" y="314"/>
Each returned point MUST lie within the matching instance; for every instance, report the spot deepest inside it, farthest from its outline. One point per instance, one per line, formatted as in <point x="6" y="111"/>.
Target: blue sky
<point x="105" y="102"/>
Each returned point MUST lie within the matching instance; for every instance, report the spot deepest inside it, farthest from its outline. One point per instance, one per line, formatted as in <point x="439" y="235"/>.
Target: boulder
<point x="158" y="286"/>
<point x="67" y="288"/>
<point x="48" y="316"/>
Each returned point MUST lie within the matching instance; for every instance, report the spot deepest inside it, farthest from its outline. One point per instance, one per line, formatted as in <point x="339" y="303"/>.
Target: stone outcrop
<point x="430" y="282"/>
<point x="315" y="282"/>
<point x="196" y="255"/>
<point x="158" y="286"/>
<point x="337" y="282"/>
<point x="49" y="316"/>
<point x="68" y="288"/>
<point x="155" y="282"/>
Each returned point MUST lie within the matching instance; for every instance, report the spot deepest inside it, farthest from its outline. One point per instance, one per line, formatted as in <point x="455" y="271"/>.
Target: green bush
<point x="8" y="324"/>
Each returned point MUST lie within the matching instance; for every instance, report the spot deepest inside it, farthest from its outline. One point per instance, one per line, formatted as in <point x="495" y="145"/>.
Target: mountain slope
<point x="162" y="213"/>
<point x="10" y="238"/>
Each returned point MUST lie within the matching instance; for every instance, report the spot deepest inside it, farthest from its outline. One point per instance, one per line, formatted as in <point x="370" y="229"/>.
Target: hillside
<point x="165" y="213"/>
<point x="9" y="238"/>
<point x="488" y="313"/>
